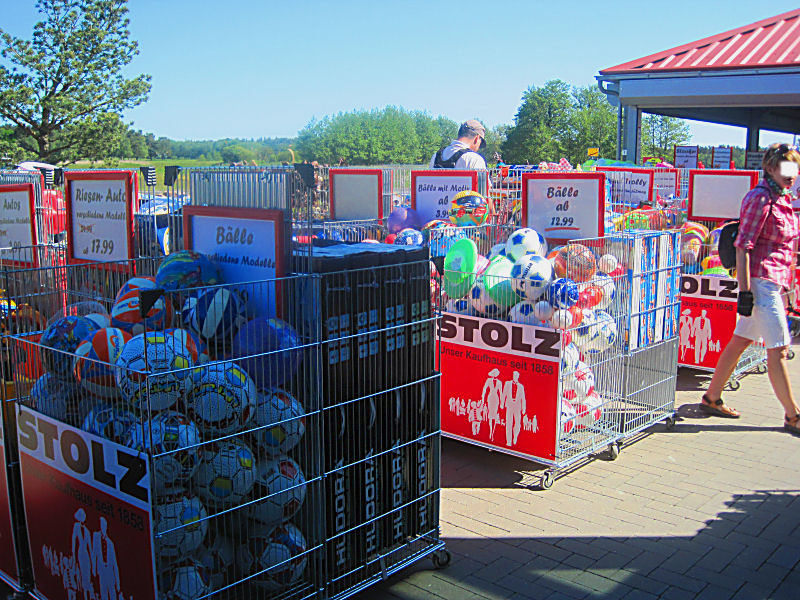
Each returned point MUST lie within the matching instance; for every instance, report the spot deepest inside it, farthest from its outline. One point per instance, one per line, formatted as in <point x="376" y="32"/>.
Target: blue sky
<point x="257" y="68"/>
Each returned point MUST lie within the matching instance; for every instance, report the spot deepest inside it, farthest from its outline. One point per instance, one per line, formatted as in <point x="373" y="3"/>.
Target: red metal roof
<point x="773" y="42"/>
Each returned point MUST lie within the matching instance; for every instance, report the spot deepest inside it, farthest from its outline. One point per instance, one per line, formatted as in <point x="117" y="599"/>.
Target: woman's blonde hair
<point x="777" y="153"/>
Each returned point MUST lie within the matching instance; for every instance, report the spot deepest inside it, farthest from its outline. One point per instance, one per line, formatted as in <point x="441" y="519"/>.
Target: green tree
<point x="57" y="85"/>
<point x="236" y="153"/>
<point x="661" y="134"/>
<point x="593" y="124"/>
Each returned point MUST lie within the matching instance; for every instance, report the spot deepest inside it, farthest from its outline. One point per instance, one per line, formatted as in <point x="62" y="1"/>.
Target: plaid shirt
<point x="770" y="233"/>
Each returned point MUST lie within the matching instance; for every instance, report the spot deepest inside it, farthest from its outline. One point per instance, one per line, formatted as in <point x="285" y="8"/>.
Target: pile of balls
<point x="147" y="382"/>
<point x="700" y="250"/>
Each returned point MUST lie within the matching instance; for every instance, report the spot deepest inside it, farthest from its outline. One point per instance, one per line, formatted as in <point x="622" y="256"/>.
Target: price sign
<point x="665" y="182"/>
<point x="246" y="244"/>
<point x="721" y="157"/>
<point x="685" y="157"/>
<point x="432" y="191"/>
<point x="593" y="152"/>
<point x="630" y="186"/>
<point x="753" y="159"/>
<point x="356" y="194"/>
<point x="100" y="207"/>
<point x="717" y="195"/>
<point x="17" y="220"/>
<point x="564" y="206"/>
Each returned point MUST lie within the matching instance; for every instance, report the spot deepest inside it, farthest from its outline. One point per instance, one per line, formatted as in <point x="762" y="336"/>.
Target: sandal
<point x="792" y="424"/>
<point x="718" y="408"/>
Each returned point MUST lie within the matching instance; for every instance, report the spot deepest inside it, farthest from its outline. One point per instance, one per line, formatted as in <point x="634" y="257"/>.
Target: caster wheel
<point x="548" y="479"/>
<point x="734" y="384"/>
<point x="441" y="558"/>
<point x="790" y="354"/>
<point x="669" y="423"/>
<point x="613" y="451"/>
<point x="761" y="368"/>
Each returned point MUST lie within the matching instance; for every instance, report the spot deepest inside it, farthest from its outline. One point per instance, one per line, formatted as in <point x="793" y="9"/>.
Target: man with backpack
<point x="462" y="153"/>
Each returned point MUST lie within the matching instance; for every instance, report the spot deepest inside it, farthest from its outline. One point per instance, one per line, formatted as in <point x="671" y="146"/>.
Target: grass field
<point x="158" y="164"/>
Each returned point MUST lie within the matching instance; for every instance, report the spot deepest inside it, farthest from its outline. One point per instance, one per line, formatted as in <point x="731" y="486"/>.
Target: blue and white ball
<point x="609" y="288"/>
<point x="172" y="437"/>
<point x="110" y="421"/>
<point x="483" y="304"/>
<point x="524" y="313"/>
<point x="523" y="241"/>
<point x="409" y="237"/>
<point x="168" y="363"/>
<point x="585" y="333"/>
<point x="217" y="556"/>
<point x="226" y="473"/>
<point x="64" y="335"/>
<point x="221" y="398"/>
<point x="59" y="399"/>
<point x="461" y="306"/>
<point x="531" y="275"/>
<point x="570" y="357"/>
<point x="280" y="421"/>
<point x="495" y="251"/>
<point x="543" y="310"/>
<point x="186" y="580"/>
<point x="180" y="524"/>
<point x="281" y="552"/>
<point x="562" y="293"/>
<point x="216" y="315"/>
<point x="605" y="333"/>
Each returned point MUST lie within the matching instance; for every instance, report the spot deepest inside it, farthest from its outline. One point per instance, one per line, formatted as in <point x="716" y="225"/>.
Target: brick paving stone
<point x="676" y="593"/>
<point x="749" y="591"/>
<point x="714" y="592"/>
<point x="635" y="594"/>
<point x="583" y="548"/>
<point x="785" y="557"/>
<point x="679" y="580"/>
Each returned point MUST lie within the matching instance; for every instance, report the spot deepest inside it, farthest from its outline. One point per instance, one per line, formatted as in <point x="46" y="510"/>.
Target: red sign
<point x="87" y="506"/>
<point x="707" y="320"/>
<point x="500" y="385"/>
<point x="8" y="556"/>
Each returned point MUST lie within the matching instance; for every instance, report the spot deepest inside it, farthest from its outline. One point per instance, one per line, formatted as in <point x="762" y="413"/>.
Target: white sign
<point x="99" y="217"/>
<point x="15" y="217"/>
<point x="356" y="195"/>
<point x="432" y="193"/>
<point x="721" y="157"/>
<point x="246" y="249"/>
<point x="664" y="183"/>
<point x="753" y="159"/>
<point x="686" y="157"/>
<point x="564" y="207"/>
<point x="716" y="196"/>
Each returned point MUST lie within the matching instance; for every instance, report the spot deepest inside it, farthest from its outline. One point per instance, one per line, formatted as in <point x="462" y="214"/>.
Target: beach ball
<point x="468" y="208"/>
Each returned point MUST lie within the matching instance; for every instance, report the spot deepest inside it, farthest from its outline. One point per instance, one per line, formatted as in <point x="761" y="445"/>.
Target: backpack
<point x="727" y="237"/>
<point x="450" y="163"/>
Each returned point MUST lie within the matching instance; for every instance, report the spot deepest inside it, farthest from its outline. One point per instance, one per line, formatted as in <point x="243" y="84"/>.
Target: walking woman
<point x="766" y="250"/>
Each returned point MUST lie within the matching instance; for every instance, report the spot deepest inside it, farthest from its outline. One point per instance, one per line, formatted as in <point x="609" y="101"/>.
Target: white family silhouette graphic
<point x="696" y="333"/>
<point x="497" y="396"/>
<point x="93" y="557"/>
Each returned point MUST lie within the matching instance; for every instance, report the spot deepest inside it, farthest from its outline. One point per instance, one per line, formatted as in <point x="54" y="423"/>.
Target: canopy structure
<point x="749" y="77"/>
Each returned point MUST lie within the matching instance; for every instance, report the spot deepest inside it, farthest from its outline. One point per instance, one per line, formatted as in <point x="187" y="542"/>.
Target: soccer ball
<point x="524" y="313"/>
<point x="280" y="419"/>
<point x="94" y="358"/>
<point x="581" y="380"/>
<point x="570" y="356"/>
<point x="586" y="332"/>
<point x="567" y="416"/>
<point x="261" y="336"/>
<point x="498" y="282"/>
<point x="281" y="486"/>
<point x="590" y="296"/>
<point x="606" y="333"/>
<point x="576" y="262"/>
<point x="561" y="319"/>
<point x="167" y="360"/>
<point x="562" y="293"/>
<point x="495" y="251"/>
<point x="543" y="310"/>
<point x="64" y="334"/>
<point x="183" y="338"/>
<point x="126" y="316"/>
<point x="180" y="523"/>
<point x="469" y="208"/>
<point x="459" y="306"/>
<point x="608" y="287"/>
<point x="482" y="302"/>
<point x="221" y="398"/>
<point x="589" y="410"/>
<point x="134" y="284"/>
<point x="226" y="473"/>
<point x="110" y="421"/>
<point x="187" y="580"/>
<point x="186" y="269"/>
<point x="532" y="274"/>
<point x="217" y="556"/>
<point x="409" y="237"/>
<point x="607" y="263"/>
<point x="523" y="241"/>
<point x="215" y="315"/>
<point x="174" y="438"/>
<point x="281" y="550"/>
<point x="59" y="399"/>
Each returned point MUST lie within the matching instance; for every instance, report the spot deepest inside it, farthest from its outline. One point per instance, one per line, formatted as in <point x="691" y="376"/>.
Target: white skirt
<point x="768" y="321"/>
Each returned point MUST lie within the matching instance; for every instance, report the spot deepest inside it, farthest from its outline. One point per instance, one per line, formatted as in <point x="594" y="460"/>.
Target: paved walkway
<point x="708" y="510"/>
